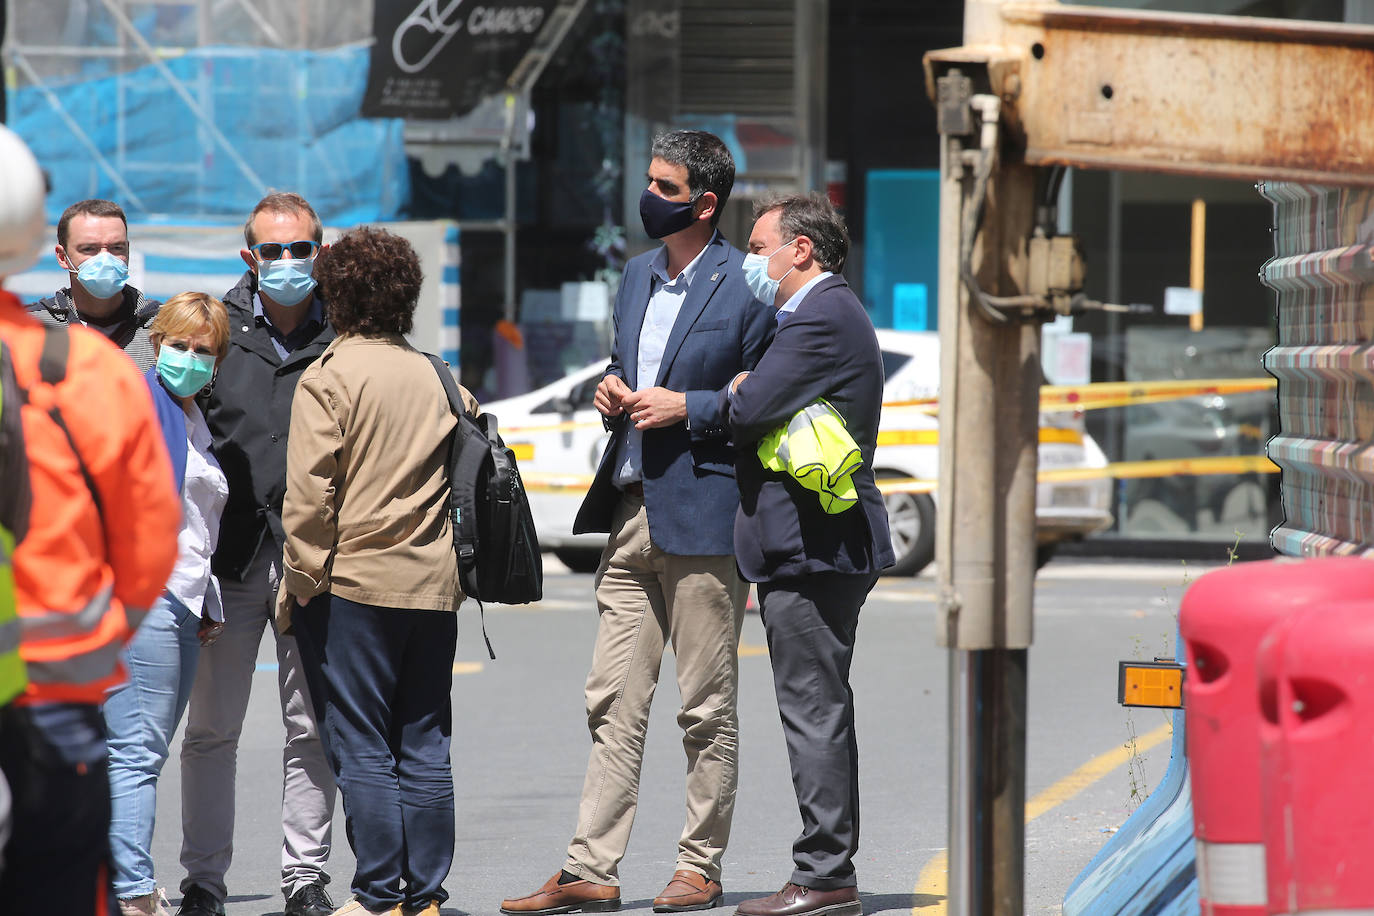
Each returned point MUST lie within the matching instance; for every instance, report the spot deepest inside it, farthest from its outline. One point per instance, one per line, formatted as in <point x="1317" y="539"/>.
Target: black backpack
<point x="16" y="496"/>
<point x="493" y="531"/>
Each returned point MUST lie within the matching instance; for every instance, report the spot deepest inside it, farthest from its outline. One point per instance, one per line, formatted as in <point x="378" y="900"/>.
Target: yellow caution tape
<point x="1094" y="396"/>
<point x="1167" y="467"/>
<point x="565" y="427"/>
<point x="1050" y="434"/>
<point x="908" y="437"/>
<point x="1120" y="394"/>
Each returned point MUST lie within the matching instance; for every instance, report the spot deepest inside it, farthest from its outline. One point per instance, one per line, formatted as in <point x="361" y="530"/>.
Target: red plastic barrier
<point x="1317" y="704"/>
<point x="1222" y="619"/>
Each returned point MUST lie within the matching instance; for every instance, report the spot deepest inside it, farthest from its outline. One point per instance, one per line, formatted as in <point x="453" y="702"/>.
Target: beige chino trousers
<point x="646" y="599"/>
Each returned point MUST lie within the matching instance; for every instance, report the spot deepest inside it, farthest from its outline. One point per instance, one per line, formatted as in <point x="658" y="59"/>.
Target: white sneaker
<point x="354" y="907"/>
<point x="154" y="904"/>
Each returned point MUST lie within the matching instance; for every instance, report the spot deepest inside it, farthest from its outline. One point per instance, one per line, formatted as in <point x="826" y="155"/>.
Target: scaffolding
<point x="188" y="109"/>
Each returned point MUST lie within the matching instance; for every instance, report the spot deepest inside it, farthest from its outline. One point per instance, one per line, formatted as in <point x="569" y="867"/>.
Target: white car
<point x="558" y="439"/>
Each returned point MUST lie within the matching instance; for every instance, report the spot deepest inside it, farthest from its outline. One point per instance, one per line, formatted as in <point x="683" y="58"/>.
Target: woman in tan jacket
<point x="369" y="578"/>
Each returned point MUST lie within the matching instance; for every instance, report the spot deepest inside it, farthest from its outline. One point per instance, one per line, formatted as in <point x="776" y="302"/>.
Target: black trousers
<point x="57" y="859"/>
<point x="810" y="622"/>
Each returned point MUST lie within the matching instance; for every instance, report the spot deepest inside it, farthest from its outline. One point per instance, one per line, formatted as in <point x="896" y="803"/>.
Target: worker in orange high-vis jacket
<point x="101" y="543"/>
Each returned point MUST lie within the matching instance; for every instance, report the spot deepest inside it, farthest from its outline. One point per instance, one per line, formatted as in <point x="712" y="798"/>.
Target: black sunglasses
<point x="271" y="251"/>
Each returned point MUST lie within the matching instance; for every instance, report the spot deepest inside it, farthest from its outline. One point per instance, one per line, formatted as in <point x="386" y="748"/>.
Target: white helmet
<point x="23" y="223"/>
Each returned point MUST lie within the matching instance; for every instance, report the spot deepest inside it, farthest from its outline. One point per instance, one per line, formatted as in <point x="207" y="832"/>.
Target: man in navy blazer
<point x="665" y="492"/>
<point x="813" y="568"/>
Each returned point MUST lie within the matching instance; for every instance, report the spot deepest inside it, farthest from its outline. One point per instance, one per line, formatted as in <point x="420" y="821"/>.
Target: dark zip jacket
<point x="132" y="335"/>
<point x="249" y="413"/>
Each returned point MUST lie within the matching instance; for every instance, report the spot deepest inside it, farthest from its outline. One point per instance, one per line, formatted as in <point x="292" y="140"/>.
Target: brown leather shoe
<point x="575" y="896"/>
<point x="795" y="900"/>
<point x="688" y="890"/>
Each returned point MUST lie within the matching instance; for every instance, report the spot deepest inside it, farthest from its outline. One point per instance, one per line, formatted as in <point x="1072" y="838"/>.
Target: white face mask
<point x="764" y="287"/>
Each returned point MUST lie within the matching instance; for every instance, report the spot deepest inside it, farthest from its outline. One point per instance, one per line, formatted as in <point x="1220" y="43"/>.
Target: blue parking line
<point x="266" y="666"/>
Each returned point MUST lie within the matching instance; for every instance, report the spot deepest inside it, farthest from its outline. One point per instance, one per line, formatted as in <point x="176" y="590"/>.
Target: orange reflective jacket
<point x="83" y="572"/>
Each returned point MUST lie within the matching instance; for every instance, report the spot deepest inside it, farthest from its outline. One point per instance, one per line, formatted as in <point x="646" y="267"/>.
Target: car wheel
<point x="579" y="559"/>
<point x="1043" y="554"/>
<point x="911" y="522"/>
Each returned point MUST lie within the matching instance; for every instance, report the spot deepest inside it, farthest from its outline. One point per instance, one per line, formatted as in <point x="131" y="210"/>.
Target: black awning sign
<point x="440" y="58"/>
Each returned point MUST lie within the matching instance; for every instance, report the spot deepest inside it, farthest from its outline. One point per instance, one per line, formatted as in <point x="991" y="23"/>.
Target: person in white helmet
<point x="93" y="247"/>
<point x="100" y="545"/>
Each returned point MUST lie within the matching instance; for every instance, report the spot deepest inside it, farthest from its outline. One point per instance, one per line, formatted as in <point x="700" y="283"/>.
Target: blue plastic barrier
<point x="1150" y="865"/>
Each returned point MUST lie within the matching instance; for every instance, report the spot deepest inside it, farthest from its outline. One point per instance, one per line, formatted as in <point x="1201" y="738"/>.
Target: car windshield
<point x="580" y="397"/>
<point x="893" y="362"/>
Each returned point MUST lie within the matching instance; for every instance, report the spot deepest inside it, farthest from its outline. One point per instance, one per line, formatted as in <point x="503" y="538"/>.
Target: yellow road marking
<point x="467" y="667"/>
<point x="933" y="879"/>
<point x="746" y="650"/>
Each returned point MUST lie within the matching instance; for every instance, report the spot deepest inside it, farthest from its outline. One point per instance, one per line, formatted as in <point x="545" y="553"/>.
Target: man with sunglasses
<point x="93" y="247"/>
<point x="277" y="328"/>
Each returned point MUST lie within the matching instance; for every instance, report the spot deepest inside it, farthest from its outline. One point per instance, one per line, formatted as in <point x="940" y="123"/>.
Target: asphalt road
<point x="520" y="748"/>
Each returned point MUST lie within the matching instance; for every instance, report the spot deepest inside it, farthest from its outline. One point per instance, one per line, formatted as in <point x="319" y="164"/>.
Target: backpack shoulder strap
<point x="16" y="497"/>
<point x="52" y="369"/>
<point x="57" y="345"/>
<point x="455" y="399"/>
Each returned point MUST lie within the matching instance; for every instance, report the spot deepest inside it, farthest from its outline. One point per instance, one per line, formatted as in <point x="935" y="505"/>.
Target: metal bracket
<point x="954" y="111"/>
<point x="1055" y="270"/>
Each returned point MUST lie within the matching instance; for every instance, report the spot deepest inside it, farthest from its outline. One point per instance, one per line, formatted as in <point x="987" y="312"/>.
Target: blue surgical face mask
<point x="287" y="281"/>
<point x="184" y="372"/>
<point x="764" y="287"/>
<point x="103" y="276"/>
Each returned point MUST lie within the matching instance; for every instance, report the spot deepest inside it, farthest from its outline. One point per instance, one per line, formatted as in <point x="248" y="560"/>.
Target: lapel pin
<point x="715" y="276"/>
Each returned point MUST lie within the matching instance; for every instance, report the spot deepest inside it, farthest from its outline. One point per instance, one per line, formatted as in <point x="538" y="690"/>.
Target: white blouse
<point x="204" y="491"/>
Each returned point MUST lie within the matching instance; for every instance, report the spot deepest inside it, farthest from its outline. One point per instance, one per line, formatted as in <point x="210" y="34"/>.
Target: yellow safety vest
<point x="12" y="676"/>
<point x="817" y="451"/>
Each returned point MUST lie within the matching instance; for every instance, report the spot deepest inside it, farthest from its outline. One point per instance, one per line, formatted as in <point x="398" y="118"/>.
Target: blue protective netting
<point x="292" y="116"/>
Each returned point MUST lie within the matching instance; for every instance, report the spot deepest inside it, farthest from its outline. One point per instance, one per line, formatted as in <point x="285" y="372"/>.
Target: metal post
<point x="989" y="410"/>
<point x="987" y="804"/>
<point x="508" y="232"/>
<point x="1116" y="335"/>
<point x="509" y="224"/>
<point x="1196" y="267"/>
<point x="987" y="570"/>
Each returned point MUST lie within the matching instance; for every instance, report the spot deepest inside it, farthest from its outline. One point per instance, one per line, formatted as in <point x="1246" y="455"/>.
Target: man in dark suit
<point x="813" y="568"/>
<point x="685" y="325"/>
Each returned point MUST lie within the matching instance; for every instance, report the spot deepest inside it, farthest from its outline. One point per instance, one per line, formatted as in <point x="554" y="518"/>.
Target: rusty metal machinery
<point x="1036" y="88"/>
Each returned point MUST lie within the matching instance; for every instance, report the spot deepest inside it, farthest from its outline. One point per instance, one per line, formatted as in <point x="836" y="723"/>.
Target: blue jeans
<point x="380" y="679"/>
<point x="140" y="717"/>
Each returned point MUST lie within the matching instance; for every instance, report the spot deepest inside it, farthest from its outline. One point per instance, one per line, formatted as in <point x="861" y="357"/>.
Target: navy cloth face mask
<point x="664" y="217"/>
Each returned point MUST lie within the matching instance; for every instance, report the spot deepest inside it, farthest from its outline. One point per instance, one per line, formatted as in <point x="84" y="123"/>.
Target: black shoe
<point x="310" y="900"/>
<point x="197" y="901"/>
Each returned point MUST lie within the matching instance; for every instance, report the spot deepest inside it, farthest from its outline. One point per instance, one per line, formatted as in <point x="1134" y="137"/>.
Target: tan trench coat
<point x="367" y="480"/>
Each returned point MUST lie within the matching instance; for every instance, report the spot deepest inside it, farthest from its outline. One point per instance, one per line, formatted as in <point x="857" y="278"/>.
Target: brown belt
<point x="635" y="488"/>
